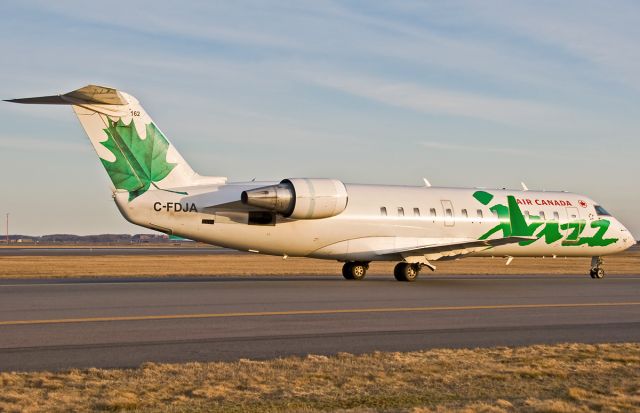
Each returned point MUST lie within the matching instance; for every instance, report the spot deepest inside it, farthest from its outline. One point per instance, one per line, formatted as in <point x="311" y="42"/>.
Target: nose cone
<point x="628" y="240"/>
<point x="631" y="239"/>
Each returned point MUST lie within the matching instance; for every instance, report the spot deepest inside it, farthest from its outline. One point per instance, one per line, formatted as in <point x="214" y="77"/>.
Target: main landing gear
<point x="596" y="267"/>
<point x="355" y="270"/>
<point x="405" y="271"/>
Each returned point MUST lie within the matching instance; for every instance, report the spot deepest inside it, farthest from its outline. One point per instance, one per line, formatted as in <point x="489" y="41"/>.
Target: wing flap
<point x="484" y="244"/>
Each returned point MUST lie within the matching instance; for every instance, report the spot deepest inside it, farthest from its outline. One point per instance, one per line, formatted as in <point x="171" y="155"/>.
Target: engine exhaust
<point x="279" y="198"/>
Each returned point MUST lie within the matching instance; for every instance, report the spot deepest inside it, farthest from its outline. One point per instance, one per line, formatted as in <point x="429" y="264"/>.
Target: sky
<point x="464" y="93"/>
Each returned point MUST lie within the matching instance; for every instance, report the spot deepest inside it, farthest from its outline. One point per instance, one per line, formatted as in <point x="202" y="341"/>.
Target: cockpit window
<point x="601" y="211"/>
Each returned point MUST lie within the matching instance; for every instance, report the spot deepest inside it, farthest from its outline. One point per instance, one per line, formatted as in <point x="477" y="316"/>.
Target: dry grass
<point x="561" y="378"/>
<point x="250" y="264"/>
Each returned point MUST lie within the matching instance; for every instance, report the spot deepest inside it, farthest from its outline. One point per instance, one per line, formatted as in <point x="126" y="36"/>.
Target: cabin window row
<point x="542" y="216"/>
<point x="448" y="212"/>
<point x="432" y="212"/>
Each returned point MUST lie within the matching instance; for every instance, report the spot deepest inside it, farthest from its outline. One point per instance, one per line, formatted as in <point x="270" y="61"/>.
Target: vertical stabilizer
<point x="134" y="152"/>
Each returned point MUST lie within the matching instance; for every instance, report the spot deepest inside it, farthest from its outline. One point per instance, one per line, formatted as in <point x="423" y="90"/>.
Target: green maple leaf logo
<point x="139" y="162"/>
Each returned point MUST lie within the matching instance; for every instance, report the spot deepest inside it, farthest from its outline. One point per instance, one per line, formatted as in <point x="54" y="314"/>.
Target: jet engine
<point x="300" y="198"/>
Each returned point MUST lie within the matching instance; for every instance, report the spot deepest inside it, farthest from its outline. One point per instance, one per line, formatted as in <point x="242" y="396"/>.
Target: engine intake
<point x="300" y="198"/>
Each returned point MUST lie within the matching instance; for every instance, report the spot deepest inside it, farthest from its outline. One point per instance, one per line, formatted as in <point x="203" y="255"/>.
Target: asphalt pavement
<point x="108" y="322"/>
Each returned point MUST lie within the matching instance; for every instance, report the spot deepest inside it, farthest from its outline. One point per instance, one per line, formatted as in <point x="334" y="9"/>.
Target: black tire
<point x="406" y="272"/>
<point x="354" y="270"/>
<point x="598" y="273"/>
<point x="398" y="270"/>
<point x="346" y="271"/>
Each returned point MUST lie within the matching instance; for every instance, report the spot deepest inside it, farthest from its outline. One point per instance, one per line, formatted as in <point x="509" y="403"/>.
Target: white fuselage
<point x="156" y="188"/>
<point x="380" y="219"/>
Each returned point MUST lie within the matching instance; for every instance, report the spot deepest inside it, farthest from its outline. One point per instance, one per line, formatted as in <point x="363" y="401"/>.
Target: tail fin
<point x="134" y="152"/>
<point x="519" y="225"/>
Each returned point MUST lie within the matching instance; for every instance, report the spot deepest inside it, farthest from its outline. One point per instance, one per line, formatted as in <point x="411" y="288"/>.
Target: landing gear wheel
<point x="597" y="273"/>
<point x="596" y="268"/>
<point x="406" y="272"/>
<point x="354" y="270"/>
<point x="346" y="271"/>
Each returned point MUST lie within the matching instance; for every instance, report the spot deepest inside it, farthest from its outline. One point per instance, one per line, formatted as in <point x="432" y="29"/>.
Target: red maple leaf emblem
<point x="582" y="203"/>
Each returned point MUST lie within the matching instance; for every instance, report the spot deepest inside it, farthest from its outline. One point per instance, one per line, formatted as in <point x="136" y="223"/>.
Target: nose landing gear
<point x="354" y="270"/>
<point x="596" y="267"/>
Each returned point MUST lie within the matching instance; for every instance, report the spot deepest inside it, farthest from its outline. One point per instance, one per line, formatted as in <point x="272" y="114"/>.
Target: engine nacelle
<point x="300" y="198"/>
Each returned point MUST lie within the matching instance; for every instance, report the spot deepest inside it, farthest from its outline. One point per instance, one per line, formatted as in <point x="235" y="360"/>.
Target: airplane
<point x="154" y="187"/>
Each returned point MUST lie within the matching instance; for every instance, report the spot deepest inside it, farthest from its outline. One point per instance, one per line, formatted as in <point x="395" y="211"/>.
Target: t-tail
<point x="135" y="153"/>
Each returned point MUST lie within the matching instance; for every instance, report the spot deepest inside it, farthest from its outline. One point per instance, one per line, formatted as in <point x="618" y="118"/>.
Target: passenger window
<point x="449" y="213"/>
<point x="495" y="214"/>
<point x="416" y="212"/>
<point x="400" y="211"/>
<point x="556" y="216"/>
<point x="479" y="213"/>
<point x="433" y="212"/>
<point x="383" y="211"/>
<point x="464" y="213"/>
<point x="542" y="217"/>
<point x="573" y="216"/>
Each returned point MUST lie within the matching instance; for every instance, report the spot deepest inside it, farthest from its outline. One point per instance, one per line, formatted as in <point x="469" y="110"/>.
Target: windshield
<point x="601" y="211"/>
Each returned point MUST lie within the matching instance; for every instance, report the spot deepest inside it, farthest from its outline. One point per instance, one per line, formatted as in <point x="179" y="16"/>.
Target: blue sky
<point x="466" y="93"/>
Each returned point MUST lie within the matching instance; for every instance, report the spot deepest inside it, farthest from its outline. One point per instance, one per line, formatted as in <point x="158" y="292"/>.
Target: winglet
<point x="426" y="182"/>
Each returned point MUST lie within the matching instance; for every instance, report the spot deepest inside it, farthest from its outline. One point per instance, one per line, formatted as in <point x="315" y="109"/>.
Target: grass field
<point x="561" y="378"/>
<point x="249" y="264"/>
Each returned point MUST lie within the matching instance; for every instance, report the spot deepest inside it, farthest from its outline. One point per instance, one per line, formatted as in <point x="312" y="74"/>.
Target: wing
<point x="454" y="250"/>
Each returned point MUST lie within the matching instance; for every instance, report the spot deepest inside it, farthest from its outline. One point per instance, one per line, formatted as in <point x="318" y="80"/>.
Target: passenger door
<point x="574" y="225"/>
<point x="449" y="217"/>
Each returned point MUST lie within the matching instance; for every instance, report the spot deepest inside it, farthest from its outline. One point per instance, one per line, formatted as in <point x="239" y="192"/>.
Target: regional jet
<point x="416" y="226"/>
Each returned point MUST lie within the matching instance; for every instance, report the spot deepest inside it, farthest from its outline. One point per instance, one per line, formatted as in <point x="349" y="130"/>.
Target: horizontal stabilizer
<point x="91" y="94"/>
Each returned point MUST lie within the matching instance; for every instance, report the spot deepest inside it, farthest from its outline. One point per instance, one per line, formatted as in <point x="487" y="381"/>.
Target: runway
<point x="59" y="324"/>
<point x="93" y="251"/>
